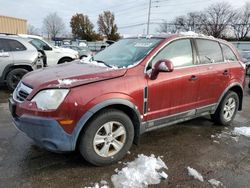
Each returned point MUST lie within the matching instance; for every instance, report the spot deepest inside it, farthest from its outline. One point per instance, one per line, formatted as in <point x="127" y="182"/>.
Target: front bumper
<point x="46" y="132"/>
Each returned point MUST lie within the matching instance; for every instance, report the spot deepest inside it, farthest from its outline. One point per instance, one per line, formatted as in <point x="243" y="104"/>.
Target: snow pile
<point x="215" y="183"/>
<point x="189" y="33"/>
<point x="66" y="81"/>
<point x="196" y="175"/>
<point x="140" y="173"/>
<point x="245" y="131"/>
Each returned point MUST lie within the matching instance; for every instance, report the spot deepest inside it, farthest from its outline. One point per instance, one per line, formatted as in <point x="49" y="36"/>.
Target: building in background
<point x="13" y="25"/>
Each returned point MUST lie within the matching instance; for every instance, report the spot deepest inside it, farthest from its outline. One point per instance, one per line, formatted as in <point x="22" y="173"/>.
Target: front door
<point x="174" y="92"/>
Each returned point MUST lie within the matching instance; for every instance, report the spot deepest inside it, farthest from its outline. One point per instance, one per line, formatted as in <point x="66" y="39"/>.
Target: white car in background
<point x="55" y="55"/>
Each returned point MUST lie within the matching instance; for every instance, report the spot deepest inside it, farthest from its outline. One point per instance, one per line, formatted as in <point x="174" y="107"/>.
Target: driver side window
<point x="179" y="52"/>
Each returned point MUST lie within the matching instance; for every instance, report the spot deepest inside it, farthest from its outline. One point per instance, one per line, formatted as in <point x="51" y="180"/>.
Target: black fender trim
<point x="226" y="90"/>
<point x="84" y="119"/>
<point x="10" y="67"/>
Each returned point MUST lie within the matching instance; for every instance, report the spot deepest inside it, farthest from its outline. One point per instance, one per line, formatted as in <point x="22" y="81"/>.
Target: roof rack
<point x="7" y="34"/>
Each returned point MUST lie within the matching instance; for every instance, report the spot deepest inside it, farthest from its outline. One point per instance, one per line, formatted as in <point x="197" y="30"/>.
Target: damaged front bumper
<point x="46" y="132"/>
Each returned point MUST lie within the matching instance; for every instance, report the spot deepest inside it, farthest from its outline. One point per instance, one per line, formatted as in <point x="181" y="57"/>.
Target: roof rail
<point x="7" y="34"/>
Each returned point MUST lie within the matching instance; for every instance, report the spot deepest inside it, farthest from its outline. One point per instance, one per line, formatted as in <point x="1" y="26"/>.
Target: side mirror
<point x="47" y="48"/>
<point x="163" y="65"/>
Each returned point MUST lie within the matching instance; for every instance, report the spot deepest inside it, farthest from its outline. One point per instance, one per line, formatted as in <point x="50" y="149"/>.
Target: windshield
<point x="126" y="52"/>
<point x="39" y="44"/>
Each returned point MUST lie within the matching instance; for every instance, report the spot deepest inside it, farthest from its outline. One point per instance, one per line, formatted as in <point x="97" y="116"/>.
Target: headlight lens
<point x="50" y="99"/>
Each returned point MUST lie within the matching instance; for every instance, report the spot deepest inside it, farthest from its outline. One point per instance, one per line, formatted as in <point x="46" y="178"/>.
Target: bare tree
<point x="241" y="23"/>
<point x="216" y="19"/>
<point x="53" y="25"/>
<point x="107" y="26"/>
<point x="32" y="30"/>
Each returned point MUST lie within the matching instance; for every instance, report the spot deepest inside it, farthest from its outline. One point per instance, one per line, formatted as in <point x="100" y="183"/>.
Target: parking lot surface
<point x="198" y="143"/>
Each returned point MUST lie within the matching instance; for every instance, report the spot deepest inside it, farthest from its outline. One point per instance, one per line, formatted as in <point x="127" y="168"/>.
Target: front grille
<point x="21" y="92"/>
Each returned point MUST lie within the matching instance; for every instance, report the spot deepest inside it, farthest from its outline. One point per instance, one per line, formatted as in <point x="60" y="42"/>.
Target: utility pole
<point x="149" y="11"/>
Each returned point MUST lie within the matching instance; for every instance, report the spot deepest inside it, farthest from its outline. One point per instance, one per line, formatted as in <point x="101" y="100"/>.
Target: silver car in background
<point x="83" y="51"/>
<point x="17" y="57"/>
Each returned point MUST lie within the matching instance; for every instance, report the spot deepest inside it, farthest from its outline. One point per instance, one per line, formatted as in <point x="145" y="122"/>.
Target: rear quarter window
<point x="209" y="51"/>
<point x="228" y="53"/>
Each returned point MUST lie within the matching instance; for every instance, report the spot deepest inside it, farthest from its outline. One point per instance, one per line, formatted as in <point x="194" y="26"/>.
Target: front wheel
<point x="14" y="76"/>
<point x="227" y="109"/>
<point x="107" y="138"/>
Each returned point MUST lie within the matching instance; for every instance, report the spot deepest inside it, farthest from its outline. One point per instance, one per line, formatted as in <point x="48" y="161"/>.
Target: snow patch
<point x="245" y="131"/>
<point x="140" y="173"/>
<point x="195" y="174"/>
<point x="102" y="184"/>
<point x="215" y="183"/>
<point x="66" y="81"/>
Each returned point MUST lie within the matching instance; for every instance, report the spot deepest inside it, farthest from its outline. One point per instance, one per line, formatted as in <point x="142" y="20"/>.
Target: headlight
<point x="77" y="56"/>
<point x="50" y="99"/>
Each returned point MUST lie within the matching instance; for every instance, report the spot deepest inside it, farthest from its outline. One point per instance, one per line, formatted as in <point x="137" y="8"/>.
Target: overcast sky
<point x="128" y="13"/>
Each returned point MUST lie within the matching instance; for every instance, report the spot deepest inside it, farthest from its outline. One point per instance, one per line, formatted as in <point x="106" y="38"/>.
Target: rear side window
<point x="179" y="52"/>
<point x="4" y="47"/>
<point x="16" y="46"/>
<point x="209" y="51"/>
<point x="228" y="53"/>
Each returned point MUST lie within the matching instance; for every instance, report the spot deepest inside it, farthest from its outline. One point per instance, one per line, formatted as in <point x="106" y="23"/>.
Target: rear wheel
<point x="107" y="138"/>
<point x="14" y="76"/>
<point x="227" y="109"/>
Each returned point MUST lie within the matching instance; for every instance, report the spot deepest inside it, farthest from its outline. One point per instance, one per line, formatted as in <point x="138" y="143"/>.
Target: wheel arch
<point x="62" y="58"/>
<point x="11" y="67"/>
<point x="120" y="104"/>
<point x="237" y="88"/>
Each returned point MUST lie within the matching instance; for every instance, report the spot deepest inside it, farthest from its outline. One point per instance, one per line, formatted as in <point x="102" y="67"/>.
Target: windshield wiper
<point x="100" y="61"/>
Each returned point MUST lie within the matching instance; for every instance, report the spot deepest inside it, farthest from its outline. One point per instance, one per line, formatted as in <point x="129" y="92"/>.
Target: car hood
<point x="65" y="50"/>
<point x="70" y="75"/>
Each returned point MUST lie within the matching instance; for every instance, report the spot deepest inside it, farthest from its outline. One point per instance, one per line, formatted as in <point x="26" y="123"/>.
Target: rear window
<point x="209" y="51"/>
<point x="228" y="53"/>
<point x="4" y="47"/>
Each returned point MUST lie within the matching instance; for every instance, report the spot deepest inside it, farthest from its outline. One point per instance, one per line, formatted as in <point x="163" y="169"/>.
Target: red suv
<point x="101" y="105"/>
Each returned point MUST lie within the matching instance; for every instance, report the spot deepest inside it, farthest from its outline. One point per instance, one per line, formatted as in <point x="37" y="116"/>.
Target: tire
<point x="248" y="70"/>
<point x="226" y="111"/>
<point x="14" y="76"/>
<point x="65" y="60"/>
<point x="93" y="149"/>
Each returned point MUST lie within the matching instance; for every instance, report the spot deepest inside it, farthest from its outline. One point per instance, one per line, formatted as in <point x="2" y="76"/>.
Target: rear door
<point x="6" y="57"/>
<point x="20" y="53"/>
<point x="174" y="92"/>
<point x="214" y="72"/>
<point x="236" y="70"/>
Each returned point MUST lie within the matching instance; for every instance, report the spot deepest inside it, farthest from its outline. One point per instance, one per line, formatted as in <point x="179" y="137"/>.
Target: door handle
<point x="226" y="72"/>
<point x="193" y="78"/>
